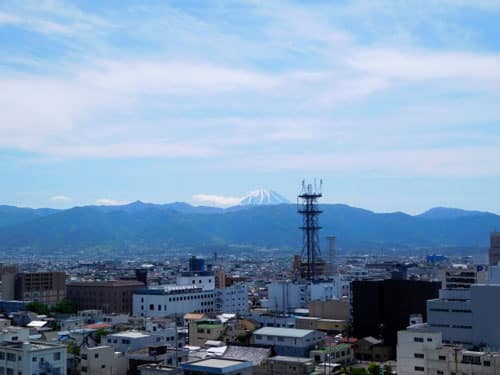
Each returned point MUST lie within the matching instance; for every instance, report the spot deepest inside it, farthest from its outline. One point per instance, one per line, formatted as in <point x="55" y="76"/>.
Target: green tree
<point x="357" y="371"/>
<point x="374" y="369"/>
<point x="65" y="307"/>
<point x="99" y="334"/>
<point x="38" y="308"/>
<point x="387" y="370"/>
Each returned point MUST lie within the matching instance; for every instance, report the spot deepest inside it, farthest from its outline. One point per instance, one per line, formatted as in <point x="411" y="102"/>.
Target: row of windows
<point x="421" y="339"/>
<point x="187" y="298"/>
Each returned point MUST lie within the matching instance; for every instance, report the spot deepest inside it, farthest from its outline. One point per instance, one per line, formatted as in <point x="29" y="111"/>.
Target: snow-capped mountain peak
<point x="263" y="197"/>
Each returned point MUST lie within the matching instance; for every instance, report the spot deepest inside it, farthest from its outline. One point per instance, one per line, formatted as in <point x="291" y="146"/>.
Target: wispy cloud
<point x="61" y="198"/>
<point x="110" y="202"/>
<point x="215" y="200"/>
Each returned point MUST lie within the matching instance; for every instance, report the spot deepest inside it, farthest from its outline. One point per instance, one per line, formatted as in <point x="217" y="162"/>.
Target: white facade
<point x="203" y="280"/>
<point x="33" y="358"/>
<point x="170" y="301"/>
<point x="102" y="360"/>
<point x="420" y="352"/>
<point x="232" y="299"/>
<point x="451" y="314"/>
<point x="132" y="340"/>
<point x="467" y="316"/>
<point x="179" y="300"/>
<point x="414" y="347"/>
<point x="286" y="296"/>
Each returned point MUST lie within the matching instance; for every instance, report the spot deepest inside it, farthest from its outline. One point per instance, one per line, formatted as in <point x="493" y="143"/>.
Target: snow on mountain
<point x="263" y="197"/>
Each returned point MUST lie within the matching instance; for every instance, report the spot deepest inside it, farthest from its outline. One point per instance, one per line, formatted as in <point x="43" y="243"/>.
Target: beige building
<point x="203" y="330"/>
<point x="332" y="309"/>
<point x="326" y="325"/>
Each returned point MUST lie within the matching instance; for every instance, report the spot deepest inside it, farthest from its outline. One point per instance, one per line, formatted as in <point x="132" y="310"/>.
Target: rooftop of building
<point x="216" y="363"/>
<point x="284" y="358"/>
<point x="284" y="332"/>
<point x="34" y="345"/>
<point x="169" y="289"/>
<point x="105" y="283"/>
<point x="130" y="334"/>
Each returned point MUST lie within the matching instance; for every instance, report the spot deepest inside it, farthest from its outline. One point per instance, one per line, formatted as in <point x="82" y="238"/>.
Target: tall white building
<point x="467" y="316"/>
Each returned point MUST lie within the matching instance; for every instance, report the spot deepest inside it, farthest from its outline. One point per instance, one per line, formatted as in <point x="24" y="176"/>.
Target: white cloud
<point x="110" y="202"/>
<point x="61" y="198"/>
<point x="215" y="200"/>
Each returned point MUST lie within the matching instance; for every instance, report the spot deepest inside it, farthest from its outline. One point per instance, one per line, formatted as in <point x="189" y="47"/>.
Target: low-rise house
<point x="217" y="366"/>
<point x="372" y="349"/>
<point x="284" y="365"/>
<point x="288" y="341"/>
<point x="340" y="353"/>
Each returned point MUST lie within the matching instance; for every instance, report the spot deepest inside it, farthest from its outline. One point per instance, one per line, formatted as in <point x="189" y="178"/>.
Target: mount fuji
<point x="263" y="197"/>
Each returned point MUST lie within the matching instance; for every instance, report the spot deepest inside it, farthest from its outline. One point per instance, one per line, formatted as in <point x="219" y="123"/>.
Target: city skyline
<point x="393" y="106"/>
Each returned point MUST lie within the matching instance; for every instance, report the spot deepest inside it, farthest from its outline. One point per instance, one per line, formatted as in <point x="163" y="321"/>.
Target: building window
<point x="439" y="372"/>
<point x="442" y="358"/>
<point x="418" y="339"/>
<point x="419" y="355"/>
<point x="57" y="356"/>
<point x="96" y="355"/>
<point x="126" y="341"/>
<point x="419" y="368"/>
<point x="151" y="307"/>
<point x="11" y="357"/>
<point x="487" y="363"/>
<point x="84" y="356"/>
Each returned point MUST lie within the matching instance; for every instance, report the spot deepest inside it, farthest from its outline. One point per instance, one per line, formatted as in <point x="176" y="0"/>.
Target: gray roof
<point x="247" y="353"/>
<point x="284" y="332"/>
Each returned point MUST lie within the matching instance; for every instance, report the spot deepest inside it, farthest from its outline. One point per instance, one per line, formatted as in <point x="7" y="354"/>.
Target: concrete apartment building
<point x="463" y="276"/>
<point x="288" y="341"/>
<point x="467" y="316"/>
<point x="44" y="287"/>
<point x="110" y="296"/>
<point x="420" y="351"/>
<point x="20" y="355"/>
<point x="102" y="360"/>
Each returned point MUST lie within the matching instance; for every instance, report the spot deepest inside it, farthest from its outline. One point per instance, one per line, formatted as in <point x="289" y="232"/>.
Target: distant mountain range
<point x="142" y="227"/>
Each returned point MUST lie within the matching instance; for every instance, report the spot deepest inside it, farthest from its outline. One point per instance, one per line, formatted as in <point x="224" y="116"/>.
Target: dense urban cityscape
<point x="316" y="312"/>
<point x="249" y="187"/>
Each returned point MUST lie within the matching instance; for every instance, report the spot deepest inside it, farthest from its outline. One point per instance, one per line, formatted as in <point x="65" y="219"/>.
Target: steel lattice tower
<point x="307" y="206"/>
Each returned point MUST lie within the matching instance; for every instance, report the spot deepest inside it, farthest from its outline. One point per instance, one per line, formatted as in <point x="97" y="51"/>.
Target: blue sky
<point x="394" y="104"/>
